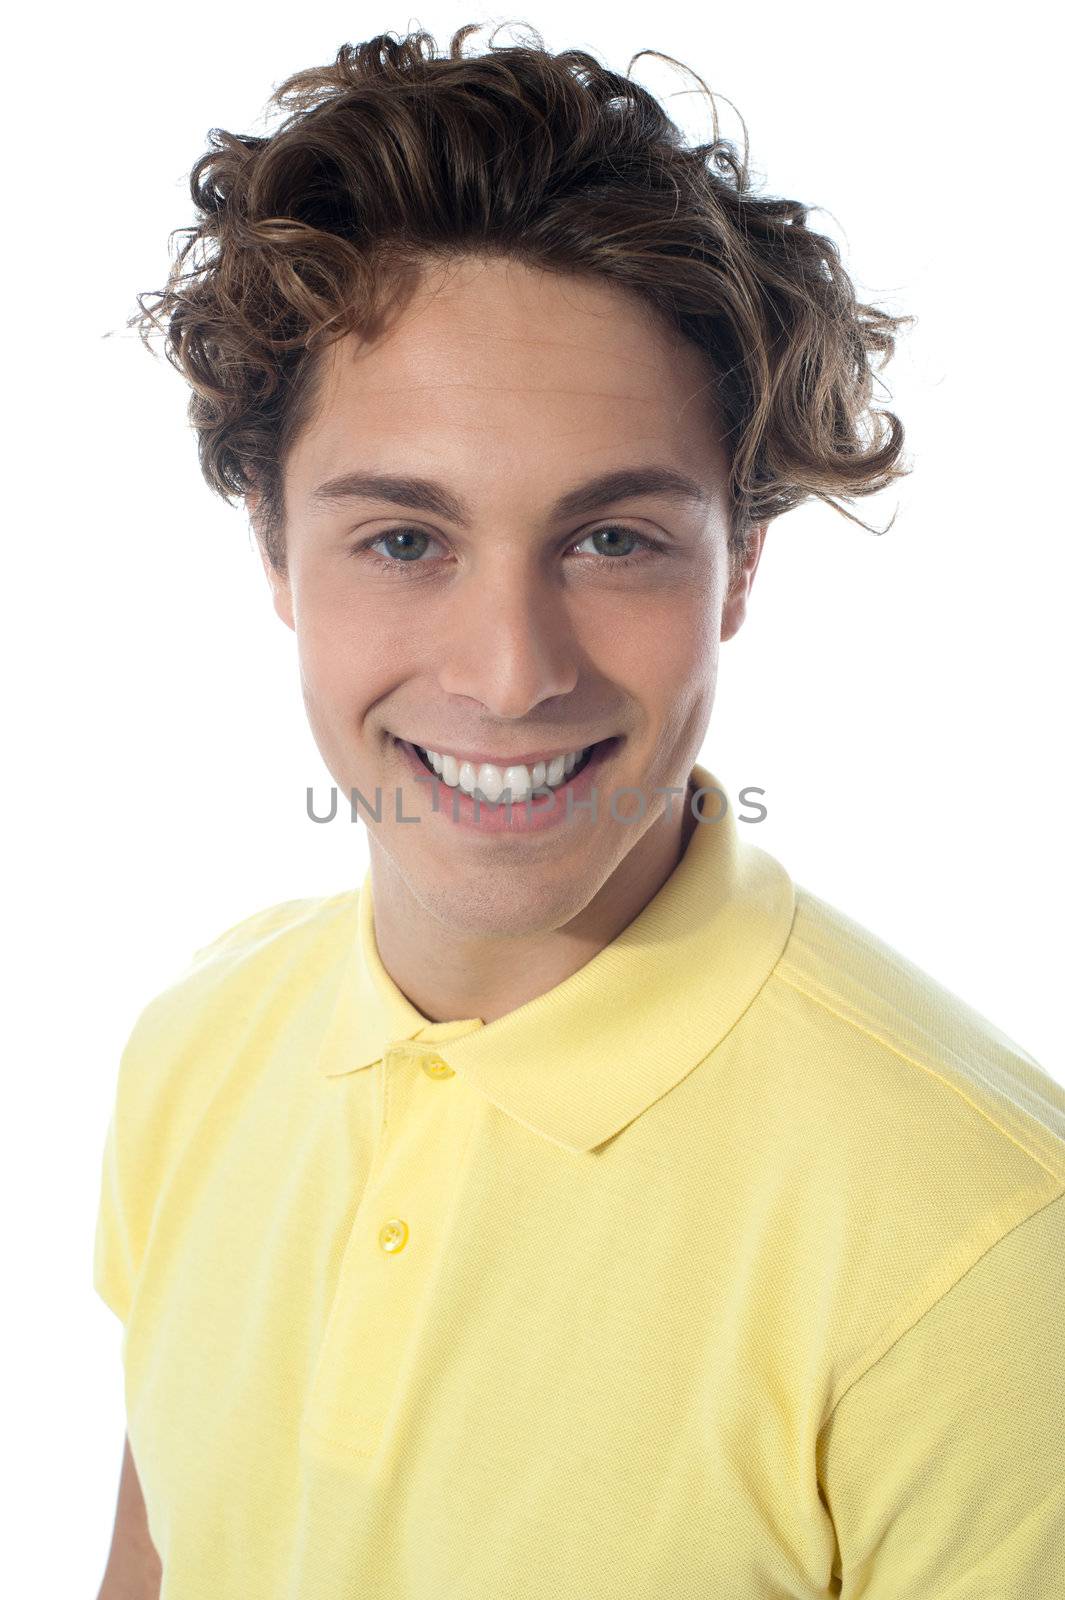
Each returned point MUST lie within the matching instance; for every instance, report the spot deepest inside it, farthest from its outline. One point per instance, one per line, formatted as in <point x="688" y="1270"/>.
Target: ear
<point x="280" y="588"/>
<point x="735" y="607"/>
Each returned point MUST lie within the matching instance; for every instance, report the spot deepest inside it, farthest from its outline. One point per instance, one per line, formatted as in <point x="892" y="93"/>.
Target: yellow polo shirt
<point x="732" y="1268"/>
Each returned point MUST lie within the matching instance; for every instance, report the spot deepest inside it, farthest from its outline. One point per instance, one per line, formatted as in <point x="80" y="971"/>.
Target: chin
<point x="500" y="908"/>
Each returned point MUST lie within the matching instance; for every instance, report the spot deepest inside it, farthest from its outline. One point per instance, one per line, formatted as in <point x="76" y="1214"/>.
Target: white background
<point x="896" y="697"/>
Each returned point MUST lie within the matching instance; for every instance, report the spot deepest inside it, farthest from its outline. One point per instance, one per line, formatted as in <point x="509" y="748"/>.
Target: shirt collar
<point x="579" y="1063"/>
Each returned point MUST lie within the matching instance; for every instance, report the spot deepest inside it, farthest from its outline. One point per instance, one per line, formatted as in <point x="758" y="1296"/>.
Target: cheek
<point x="686" y="682"/>
<point x="677" y="675"/>
<point x="662" y="644"/>
<point x="343" y="654"/>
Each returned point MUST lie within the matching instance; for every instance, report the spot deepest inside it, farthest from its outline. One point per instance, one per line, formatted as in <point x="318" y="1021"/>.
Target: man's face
<point x="514" y="629"/>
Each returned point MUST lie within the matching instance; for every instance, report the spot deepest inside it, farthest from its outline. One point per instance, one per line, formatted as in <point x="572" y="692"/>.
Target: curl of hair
<point x="394" y="155"/>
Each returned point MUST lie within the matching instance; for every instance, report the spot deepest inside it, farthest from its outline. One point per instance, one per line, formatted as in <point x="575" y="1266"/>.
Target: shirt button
<point x="393" y="1235"/>
<point x="433" y="1067"/>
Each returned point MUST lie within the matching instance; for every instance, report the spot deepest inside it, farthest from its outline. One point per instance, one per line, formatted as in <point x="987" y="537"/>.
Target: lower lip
<point x="532" y="815"/>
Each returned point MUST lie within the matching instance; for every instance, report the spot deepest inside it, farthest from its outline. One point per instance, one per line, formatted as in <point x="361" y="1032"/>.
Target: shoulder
<point x="288" y="923"/>
<point x="268" y="945"/>
<point x="245" y="977"/>
<point x="871" y="1008"/>
<point x="920" y="1134"/>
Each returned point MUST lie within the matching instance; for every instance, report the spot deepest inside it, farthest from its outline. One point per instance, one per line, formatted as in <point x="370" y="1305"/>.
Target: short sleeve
<point x="113" y="1263"/>
<point x="156" y="1098"/>
<point x="943" y="1466"/>
<point x="132" y="1165"/>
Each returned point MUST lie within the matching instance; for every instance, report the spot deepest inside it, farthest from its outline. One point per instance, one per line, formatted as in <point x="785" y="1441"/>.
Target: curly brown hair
<point x="394" y="155"/>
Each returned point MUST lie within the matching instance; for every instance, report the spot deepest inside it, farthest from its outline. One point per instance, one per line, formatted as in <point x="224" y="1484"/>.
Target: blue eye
<point x="627" y="533"/>
<point x="397" y="534"/>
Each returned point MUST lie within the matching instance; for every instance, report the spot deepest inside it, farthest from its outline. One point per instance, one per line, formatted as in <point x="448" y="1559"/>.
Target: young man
<point x="580" y="1207"/>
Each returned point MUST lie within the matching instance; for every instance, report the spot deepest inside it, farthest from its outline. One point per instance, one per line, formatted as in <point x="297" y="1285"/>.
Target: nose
<point x="510" y="642"/>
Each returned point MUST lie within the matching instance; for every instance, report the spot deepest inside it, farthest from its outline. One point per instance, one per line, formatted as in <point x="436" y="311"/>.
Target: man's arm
<point x="134" y="1571"/>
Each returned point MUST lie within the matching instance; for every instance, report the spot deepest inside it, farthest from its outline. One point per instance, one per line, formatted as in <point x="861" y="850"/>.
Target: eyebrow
<point x="426" y="494"/>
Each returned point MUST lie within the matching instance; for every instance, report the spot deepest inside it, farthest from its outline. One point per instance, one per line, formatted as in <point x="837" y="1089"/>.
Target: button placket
<point x="388" y="1258"/>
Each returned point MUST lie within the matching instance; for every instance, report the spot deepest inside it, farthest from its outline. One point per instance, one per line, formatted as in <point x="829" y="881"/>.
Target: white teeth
<point x="487" y="778"/>
<point x="520" y="782"/>
<point x="494" y="782"/>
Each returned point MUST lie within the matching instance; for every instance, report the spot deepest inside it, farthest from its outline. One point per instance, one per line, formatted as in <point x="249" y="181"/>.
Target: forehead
<point x="489" y="360"/>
